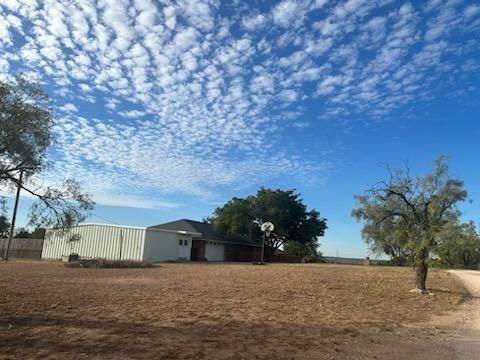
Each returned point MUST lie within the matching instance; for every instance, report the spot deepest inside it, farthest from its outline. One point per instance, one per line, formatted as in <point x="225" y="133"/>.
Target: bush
<point x="308" y="252"/>
<point x="108" y="264"/>
<point x="313" y="258"/>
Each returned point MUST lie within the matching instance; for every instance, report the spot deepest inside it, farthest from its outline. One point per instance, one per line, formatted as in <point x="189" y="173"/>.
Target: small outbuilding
<point x="179" y="240"/>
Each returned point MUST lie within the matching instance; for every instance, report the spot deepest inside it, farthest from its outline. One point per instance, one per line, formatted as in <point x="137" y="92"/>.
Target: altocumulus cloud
<point x="187" y="96"/>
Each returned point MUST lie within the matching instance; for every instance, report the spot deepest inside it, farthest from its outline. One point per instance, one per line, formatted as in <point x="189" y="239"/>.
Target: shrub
<point x="108" y="264"/>
<point x="308" y="252"/>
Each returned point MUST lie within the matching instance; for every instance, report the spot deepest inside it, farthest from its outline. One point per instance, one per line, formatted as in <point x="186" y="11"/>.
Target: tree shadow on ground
<point x="211" y="340"/>
<point x="465" y="295"/>
<point x="65" y="337"/>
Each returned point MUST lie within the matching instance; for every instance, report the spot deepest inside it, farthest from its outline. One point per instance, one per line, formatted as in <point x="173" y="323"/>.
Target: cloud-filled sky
<point x="166" y="109"/>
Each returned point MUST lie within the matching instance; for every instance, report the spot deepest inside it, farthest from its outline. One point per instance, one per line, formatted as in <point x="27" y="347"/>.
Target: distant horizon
<point x="167" y="111"/>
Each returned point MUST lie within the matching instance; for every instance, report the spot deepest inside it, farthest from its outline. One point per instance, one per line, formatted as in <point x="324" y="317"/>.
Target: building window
<point x="180" y="242"/>
<point x="185" y="242"/>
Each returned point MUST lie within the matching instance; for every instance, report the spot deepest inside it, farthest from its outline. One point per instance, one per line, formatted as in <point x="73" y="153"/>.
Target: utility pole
<point x="263" y="248"/>
<point x="14" y="217"/>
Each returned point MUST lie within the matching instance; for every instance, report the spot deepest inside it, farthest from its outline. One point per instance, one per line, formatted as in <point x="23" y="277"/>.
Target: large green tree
<point x="459" y="246"/>
<point x="26" y="132"/>
<point x="411" y="212"/>
<point x="284" y="208"/>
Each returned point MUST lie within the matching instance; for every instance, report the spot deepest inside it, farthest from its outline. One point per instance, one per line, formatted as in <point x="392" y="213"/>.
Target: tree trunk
<point x="421" y="272"/>
<point x="421" y="276"/>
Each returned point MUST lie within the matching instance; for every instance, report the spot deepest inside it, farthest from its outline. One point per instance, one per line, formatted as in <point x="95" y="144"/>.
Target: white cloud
<point x="285" y="11"/>
<point x="301" y="124"/>
<point x="134" y="114"/>
<point x="170" y="16"/>
<point x="288" y="95"/>
<point x="4" y="66"/>
<point x="262" y="82"/>
<point x="472" y="10"/>
<point x="215" y="83"/>
<point x="293" y="12"/>
<point x="198" y="13"/>
<point x="139" y="202"/>
<point x="349" y="7"/>
<point x="4" y="31"/>
<point x="68" y="108"/>
<point x="254" y="22"/>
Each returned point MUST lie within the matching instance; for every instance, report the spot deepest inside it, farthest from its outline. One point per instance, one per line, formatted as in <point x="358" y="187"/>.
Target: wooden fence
<point x="22" y="248"/>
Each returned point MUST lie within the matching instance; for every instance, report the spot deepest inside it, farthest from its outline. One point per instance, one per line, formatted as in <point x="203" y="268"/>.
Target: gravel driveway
<point x="468" y="346"/>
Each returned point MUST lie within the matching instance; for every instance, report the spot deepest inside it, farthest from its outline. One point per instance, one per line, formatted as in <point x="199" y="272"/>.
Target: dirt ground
<point x="223" y="311"/>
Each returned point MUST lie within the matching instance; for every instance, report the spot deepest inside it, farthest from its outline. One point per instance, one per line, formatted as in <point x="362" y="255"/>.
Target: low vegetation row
<point x="108" y="264"/>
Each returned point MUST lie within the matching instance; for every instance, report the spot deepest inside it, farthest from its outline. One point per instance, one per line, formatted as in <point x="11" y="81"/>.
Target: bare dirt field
<point x="223" y="311"/>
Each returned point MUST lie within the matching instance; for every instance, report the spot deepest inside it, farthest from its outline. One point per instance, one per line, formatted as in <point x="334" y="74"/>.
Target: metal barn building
<point x="113" y="242"/>
<point x="179" y="240"/>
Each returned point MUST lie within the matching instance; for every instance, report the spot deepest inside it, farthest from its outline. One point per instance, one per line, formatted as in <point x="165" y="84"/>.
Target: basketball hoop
<point x="267" y="228"/>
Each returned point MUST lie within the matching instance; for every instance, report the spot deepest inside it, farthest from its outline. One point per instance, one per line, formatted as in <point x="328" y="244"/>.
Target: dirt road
<point x="468" y="346"/>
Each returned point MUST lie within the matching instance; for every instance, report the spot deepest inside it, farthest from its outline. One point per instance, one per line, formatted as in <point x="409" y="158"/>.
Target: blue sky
<point x="168" y="109"/>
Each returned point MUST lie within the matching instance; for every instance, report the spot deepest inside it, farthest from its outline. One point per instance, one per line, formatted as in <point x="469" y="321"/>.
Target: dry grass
<point x="221" y="311"/>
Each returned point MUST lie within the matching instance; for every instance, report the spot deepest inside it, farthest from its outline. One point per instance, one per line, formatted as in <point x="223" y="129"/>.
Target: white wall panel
<point x="161" y="245"/>
<point x="95" y="241"/>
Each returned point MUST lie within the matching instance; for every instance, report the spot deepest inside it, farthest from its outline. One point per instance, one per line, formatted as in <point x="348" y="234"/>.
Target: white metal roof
<point x="139" y="228"/>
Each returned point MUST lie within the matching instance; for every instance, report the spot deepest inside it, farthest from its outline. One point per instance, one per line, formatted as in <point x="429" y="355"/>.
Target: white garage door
<point x="214" y="251"/>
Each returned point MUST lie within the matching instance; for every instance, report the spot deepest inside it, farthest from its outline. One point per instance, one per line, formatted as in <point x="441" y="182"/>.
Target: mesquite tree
<point x="412" y="212"/>
<point x="26" y="132"/>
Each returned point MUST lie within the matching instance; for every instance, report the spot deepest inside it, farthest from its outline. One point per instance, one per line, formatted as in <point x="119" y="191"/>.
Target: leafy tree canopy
<point x="389" y="237"/>
<point x="4" y="226"/>
<point x="410" y="213"/>
<point x="284" y="208"/>
<point x="459" y="246"/>
<point x="26" y="132"/>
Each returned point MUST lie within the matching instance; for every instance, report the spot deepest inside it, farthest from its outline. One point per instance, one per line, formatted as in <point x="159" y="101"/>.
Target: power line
<point x="105" y="219"/>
